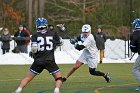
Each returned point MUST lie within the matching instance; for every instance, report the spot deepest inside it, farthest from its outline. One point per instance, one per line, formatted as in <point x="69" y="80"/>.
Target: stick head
<point x="61" y="26"/>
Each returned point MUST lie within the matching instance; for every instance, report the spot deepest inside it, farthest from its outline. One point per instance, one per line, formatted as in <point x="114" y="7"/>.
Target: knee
<point x="59" y="79"/>
<point x="92" y="71"/>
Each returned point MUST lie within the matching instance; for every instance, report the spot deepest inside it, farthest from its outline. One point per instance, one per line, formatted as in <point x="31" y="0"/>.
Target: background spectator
<point x="100" y="39"/>
<point x="20" y="38"/>
<point x="5" y="38"/>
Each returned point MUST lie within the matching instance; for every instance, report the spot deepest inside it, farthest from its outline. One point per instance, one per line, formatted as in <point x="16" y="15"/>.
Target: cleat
<point x="107" y="77"/>
<point x="138" y="88"/>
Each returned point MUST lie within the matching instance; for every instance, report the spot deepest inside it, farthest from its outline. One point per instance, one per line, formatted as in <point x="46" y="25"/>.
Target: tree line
<point x="115" y="16"/>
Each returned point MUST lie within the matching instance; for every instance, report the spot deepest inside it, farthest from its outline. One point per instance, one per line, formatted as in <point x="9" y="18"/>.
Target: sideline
<point x="98" y="89"/>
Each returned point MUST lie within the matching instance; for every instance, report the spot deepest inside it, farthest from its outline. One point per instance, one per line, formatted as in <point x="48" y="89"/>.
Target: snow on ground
<point x="68" y="55"/>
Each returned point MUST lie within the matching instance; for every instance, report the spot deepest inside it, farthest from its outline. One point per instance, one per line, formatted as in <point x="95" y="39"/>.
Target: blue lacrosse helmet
<point x="41" y="23"/>
<point x="136" y="24"/>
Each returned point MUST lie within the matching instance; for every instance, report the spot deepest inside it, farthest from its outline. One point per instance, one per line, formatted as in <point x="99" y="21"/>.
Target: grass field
<point x="80" y="82"/>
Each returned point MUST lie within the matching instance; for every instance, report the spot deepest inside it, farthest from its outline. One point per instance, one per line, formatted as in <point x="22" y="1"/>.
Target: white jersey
<point x="90" y="52"/>
<point x="90" y="44"/>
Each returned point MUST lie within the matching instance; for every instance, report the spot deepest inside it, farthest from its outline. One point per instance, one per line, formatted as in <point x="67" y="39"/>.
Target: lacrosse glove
<point x="79" y="47"/>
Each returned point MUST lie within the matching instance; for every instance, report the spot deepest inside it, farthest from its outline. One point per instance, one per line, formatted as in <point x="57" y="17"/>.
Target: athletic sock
<point x="56" y="90"/>
<point x="18" y="90"/>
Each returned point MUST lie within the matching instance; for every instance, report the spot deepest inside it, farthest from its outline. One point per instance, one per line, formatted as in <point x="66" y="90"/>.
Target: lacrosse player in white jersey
<point x="89" y="54"/>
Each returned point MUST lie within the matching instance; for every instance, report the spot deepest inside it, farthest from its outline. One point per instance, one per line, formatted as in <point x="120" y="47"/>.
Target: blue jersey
<point x="135" y="41"/>
<point x="46" y="44"/>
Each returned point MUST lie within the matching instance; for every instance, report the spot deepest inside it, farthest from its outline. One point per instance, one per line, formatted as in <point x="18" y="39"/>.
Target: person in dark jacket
<point x="100" y="39"/>
<point x="135" y="47"/>
<point x="5" y="38"/>
<point x="20" y="38"/>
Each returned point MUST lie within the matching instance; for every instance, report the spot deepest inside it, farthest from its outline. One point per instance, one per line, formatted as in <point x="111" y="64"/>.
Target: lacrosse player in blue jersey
<point x="43" y="45"/>
<point x="135" y="47"/>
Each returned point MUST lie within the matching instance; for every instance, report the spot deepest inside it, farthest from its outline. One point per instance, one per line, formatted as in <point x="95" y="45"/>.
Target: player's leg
<point x="136" y="71"/>
<point x="58" y="79"/>
<point x="34" y="70"/>
<point x="53" y="69"/>
<point x="92" y="61"/>
<point x="81" y="60"/>
<point x="93" y="71"/>
<point x="74" y="68"/>
<point x="28" y="77"/>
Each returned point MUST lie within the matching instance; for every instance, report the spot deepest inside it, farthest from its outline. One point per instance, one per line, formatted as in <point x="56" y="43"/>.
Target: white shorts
<point x="86" y="57"/>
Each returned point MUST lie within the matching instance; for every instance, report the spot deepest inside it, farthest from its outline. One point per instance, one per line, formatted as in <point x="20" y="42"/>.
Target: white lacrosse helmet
<point x="86" y="28"/>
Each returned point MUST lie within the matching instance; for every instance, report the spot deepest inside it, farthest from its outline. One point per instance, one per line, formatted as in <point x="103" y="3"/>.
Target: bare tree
<point x="64" y="13"/>
<point x="36" y="8"/>
<point x="41" y="7"/>
<point x="30" y="13"/>
<point x="27" y="6"/>
<point x="1" y="14"/>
